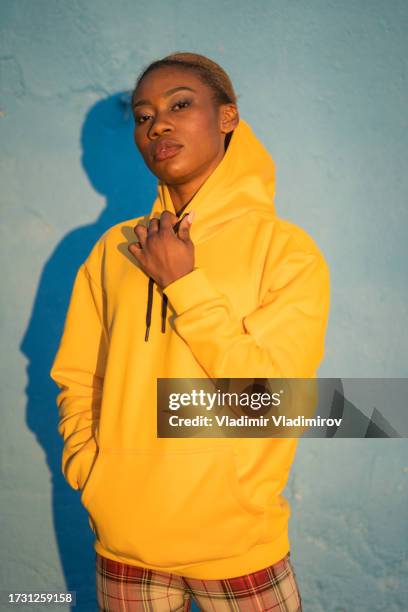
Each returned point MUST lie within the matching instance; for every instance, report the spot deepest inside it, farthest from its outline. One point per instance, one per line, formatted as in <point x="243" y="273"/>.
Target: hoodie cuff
<point x="190" y="290"/>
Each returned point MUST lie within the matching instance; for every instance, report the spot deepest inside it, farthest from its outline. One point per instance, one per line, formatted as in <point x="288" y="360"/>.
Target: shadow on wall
<point x="117" y="171"/>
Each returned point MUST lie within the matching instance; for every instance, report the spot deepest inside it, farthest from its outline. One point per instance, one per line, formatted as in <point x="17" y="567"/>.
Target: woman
<point x="232" y="291"/>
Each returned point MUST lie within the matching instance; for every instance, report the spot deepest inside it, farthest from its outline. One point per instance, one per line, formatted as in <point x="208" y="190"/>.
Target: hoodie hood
<point x="244" y="180"/>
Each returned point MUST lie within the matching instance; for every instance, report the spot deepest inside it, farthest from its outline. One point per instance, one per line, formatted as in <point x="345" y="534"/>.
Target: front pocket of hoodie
<point x="171" y="509"/>
<point x="90" y="484"/>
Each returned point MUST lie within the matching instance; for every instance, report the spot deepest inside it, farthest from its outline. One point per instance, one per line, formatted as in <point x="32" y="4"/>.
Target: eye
<point x="138" y="119"/>
<point x="182" y="103"/>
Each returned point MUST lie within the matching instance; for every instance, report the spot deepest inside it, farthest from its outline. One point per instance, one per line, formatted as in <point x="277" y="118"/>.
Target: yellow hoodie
<point x="255" y="305"/>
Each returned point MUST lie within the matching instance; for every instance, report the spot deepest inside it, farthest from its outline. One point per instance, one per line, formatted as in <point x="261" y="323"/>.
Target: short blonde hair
<point x="209" y="71"/>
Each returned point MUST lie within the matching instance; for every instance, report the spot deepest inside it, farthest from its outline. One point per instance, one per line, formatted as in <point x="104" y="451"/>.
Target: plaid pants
<point x="127" y="588"/>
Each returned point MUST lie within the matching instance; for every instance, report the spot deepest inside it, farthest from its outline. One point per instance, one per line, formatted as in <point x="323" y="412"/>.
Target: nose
<point x="160" y="125"/>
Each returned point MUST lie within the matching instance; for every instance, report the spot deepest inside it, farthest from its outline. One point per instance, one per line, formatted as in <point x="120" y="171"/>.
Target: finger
<point x="174" y="218"/>
<point x="154" y="225"/>
<point x="175" y="222"/>
<point x="184" y="228"/>
<point x="136" y="250"/>
<point x="167" y="220"/>
<point x="177" y="225"/>
<point x="141" y="233"/>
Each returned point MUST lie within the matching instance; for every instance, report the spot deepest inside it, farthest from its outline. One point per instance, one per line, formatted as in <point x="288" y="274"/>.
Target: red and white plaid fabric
<point x="122" y="587"/>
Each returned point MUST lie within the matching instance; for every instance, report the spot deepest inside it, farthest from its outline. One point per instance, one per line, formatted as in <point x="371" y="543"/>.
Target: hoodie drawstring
<point x="164" y="298"/>
<point x="164" y="312"/>
<point x="149" y="310"/>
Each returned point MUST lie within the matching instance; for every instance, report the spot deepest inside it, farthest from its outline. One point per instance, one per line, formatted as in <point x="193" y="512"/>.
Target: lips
<point x="165" y="149"/>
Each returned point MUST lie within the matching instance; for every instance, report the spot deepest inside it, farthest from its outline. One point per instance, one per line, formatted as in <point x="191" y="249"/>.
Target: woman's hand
<point x="162" y="253"/>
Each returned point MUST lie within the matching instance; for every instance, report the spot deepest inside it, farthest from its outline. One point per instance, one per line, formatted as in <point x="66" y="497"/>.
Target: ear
<point x="229" y="117"/>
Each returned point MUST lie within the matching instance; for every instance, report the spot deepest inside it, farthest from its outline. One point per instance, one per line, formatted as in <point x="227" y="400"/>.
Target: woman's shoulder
<point x="112" y="242"/>
<point x="123" y="229"/>
<point x="286" y="235"/>
<point x="293" y="256"/>
<point x="298" y="237"/>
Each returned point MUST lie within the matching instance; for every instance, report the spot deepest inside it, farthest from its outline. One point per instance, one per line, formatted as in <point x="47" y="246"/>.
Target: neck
<point x="182" y="194"/>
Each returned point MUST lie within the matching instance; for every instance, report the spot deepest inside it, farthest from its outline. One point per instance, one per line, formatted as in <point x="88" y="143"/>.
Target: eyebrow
<point x="166" y="95"/>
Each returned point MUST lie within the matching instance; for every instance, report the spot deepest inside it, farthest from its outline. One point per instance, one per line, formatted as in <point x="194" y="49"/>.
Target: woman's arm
<point x="78" y="370"/>
<point x="282" y="338"/>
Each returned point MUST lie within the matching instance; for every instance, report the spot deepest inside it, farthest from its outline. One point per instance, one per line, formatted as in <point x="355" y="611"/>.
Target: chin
<point x="174" y="175"/>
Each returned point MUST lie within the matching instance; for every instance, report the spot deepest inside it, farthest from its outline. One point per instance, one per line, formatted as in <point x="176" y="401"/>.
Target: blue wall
<point x="324" y="85"/>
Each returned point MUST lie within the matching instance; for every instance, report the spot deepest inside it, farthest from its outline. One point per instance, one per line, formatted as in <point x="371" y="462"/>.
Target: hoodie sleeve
<point x="282" y="338"/>
<point x="78" y="370"/>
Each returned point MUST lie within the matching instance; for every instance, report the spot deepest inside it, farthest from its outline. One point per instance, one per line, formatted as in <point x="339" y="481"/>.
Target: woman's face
<point x="188" y="117"/>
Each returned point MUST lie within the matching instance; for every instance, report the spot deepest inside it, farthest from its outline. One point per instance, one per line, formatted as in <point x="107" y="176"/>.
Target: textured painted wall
<point x="324" y="85"/>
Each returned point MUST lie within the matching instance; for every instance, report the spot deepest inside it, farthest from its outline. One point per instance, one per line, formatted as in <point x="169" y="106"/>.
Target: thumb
<point x="184" y="227"/>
